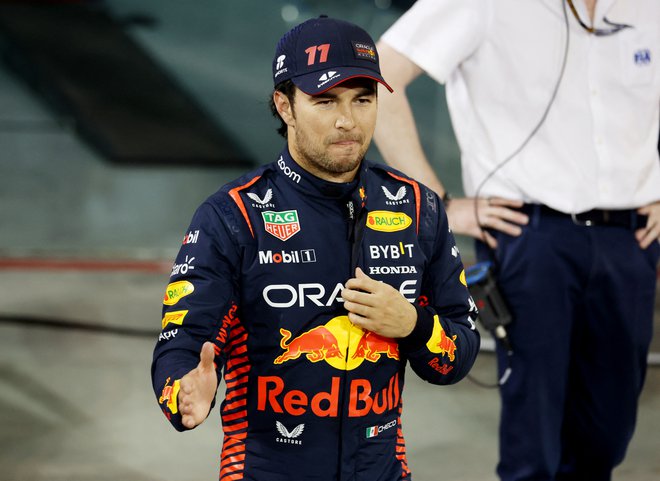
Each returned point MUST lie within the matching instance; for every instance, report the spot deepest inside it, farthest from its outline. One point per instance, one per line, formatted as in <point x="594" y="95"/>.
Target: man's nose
<point x="345" y="120"/>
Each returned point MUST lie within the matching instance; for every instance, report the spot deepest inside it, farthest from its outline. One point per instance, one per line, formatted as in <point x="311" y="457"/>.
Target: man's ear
<point x="284" y="107"/>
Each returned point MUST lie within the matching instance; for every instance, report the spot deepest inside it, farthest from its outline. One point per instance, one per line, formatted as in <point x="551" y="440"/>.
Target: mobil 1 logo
<point x="287" y="257"/>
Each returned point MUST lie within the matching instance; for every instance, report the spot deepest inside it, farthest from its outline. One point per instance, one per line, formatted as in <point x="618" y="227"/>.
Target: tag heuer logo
<point x="289" y="437"/>
<point x="282" y="225"/>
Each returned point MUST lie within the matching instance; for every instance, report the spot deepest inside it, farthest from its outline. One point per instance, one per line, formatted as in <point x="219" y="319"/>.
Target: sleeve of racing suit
<point x="198" y="306"/>
<point x="444" y="343"/>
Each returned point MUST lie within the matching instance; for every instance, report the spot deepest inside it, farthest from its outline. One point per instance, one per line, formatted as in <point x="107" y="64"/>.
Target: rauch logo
<point x="386" y="221"/>
<point x="176" y="291"/>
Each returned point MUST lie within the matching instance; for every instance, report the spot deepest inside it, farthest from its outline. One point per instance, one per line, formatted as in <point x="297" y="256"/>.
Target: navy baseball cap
<point x="323" y="52"/>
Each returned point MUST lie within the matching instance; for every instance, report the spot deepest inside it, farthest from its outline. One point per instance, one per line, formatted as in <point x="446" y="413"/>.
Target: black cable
<point x="502" y="338"/>
<point x="505" y="375"/>
<point x="534" y="131"/>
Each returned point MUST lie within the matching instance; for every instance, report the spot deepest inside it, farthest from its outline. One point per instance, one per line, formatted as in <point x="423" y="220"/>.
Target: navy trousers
<point x="582" y="299"/>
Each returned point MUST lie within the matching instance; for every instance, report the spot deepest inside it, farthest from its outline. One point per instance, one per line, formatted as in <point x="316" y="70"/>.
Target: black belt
<point x="628" y="218"/>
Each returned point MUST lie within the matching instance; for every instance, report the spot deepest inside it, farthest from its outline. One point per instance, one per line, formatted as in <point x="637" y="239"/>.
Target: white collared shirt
<point x="500" y="60"/>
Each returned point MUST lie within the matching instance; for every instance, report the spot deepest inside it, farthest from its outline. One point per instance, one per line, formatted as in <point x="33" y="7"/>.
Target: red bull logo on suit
<point x="339" y="342"/>
<point x="440" y="342"/>
<point x="273" y="395"/>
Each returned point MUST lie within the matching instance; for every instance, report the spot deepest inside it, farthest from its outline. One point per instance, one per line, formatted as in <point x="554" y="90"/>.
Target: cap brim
<point x="315" y="84"/>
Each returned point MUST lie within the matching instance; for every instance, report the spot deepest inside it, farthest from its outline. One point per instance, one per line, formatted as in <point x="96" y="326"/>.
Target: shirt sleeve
<point x="199" y="305"/>
<point x="437" y="35"/>
<point x="445" y="342"/>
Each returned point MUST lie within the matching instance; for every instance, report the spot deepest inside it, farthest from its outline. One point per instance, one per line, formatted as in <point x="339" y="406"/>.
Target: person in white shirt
<point x="555" y="105"/>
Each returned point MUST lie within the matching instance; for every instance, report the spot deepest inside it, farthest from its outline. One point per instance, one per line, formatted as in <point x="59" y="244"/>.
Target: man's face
<point x="329" y="134"/>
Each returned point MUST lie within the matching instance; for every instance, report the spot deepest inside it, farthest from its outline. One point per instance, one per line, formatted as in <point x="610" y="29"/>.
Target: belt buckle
<point x="585" y="223"/>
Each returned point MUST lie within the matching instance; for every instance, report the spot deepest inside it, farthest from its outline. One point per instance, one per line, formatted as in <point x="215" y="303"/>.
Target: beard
<point x="320" y="158"/>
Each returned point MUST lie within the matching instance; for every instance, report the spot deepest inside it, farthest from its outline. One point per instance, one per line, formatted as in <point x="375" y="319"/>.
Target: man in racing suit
<point x="311" y="282"/>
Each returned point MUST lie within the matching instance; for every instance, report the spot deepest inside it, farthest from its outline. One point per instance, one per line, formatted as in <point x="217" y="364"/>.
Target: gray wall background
<point x="59" y="198"/>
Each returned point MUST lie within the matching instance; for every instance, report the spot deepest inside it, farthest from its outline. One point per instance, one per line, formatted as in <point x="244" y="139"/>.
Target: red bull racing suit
<point x="309" y="395"/>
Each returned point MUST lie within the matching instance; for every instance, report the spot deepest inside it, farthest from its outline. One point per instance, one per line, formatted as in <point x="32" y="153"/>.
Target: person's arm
<point x="199" y="306"/>
<point x="445" y="342"/>
<point x="396" y="133"/>
<point x="398" y="142"/>
<point x="437" y="334"/>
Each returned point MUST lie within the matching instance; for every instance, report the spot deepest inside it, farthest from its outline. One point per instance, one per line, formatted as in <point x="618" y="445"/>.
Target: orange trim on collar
<point x="418" y="195"/>
<point x="234" y="194"/>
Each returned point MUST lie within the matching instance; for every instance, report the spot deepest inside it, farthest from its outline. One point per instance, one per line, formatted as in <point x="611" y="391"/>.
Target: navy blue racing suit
<point x="309" y="395"/>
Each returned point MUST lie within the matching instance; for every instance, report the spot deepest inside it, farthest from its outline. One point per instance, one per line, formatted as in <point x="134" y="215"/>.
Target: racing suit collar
<point x="312" y="185"/>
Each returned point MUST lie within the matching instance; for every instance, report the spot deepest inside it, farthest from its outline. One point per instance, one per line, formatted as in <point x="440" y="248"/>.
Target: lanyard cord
<point x="509" y="350"/>
<point x="534" y="131"/>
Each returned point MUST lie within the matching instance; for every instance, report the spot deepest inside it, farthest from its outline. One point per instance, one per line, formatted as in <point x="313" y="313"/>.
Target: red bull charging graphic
<point x="317" y="344"/>
<point x="440" y="342"/>
<point x="339" y="342"/>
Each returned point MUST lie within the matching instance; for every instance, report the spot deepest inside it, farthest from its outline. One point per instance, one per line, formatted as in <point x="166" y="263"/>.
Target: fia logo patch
<point x="643" y="57"/>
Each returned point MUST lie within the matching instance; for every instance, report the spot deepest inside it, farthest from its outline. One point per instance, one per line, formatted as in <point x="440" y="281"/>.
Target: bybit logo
<point x="391" y="251"/>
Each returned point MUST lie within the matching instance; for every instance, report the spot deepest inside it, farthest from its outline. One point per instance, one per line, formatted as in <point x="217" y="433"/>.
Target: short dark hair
<point x="288" y="88"/>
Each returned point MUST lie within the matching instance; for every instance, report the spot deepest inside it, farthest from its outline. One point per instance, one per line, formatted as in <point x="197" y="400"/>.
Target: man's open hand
<point x="198" y="389"/>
